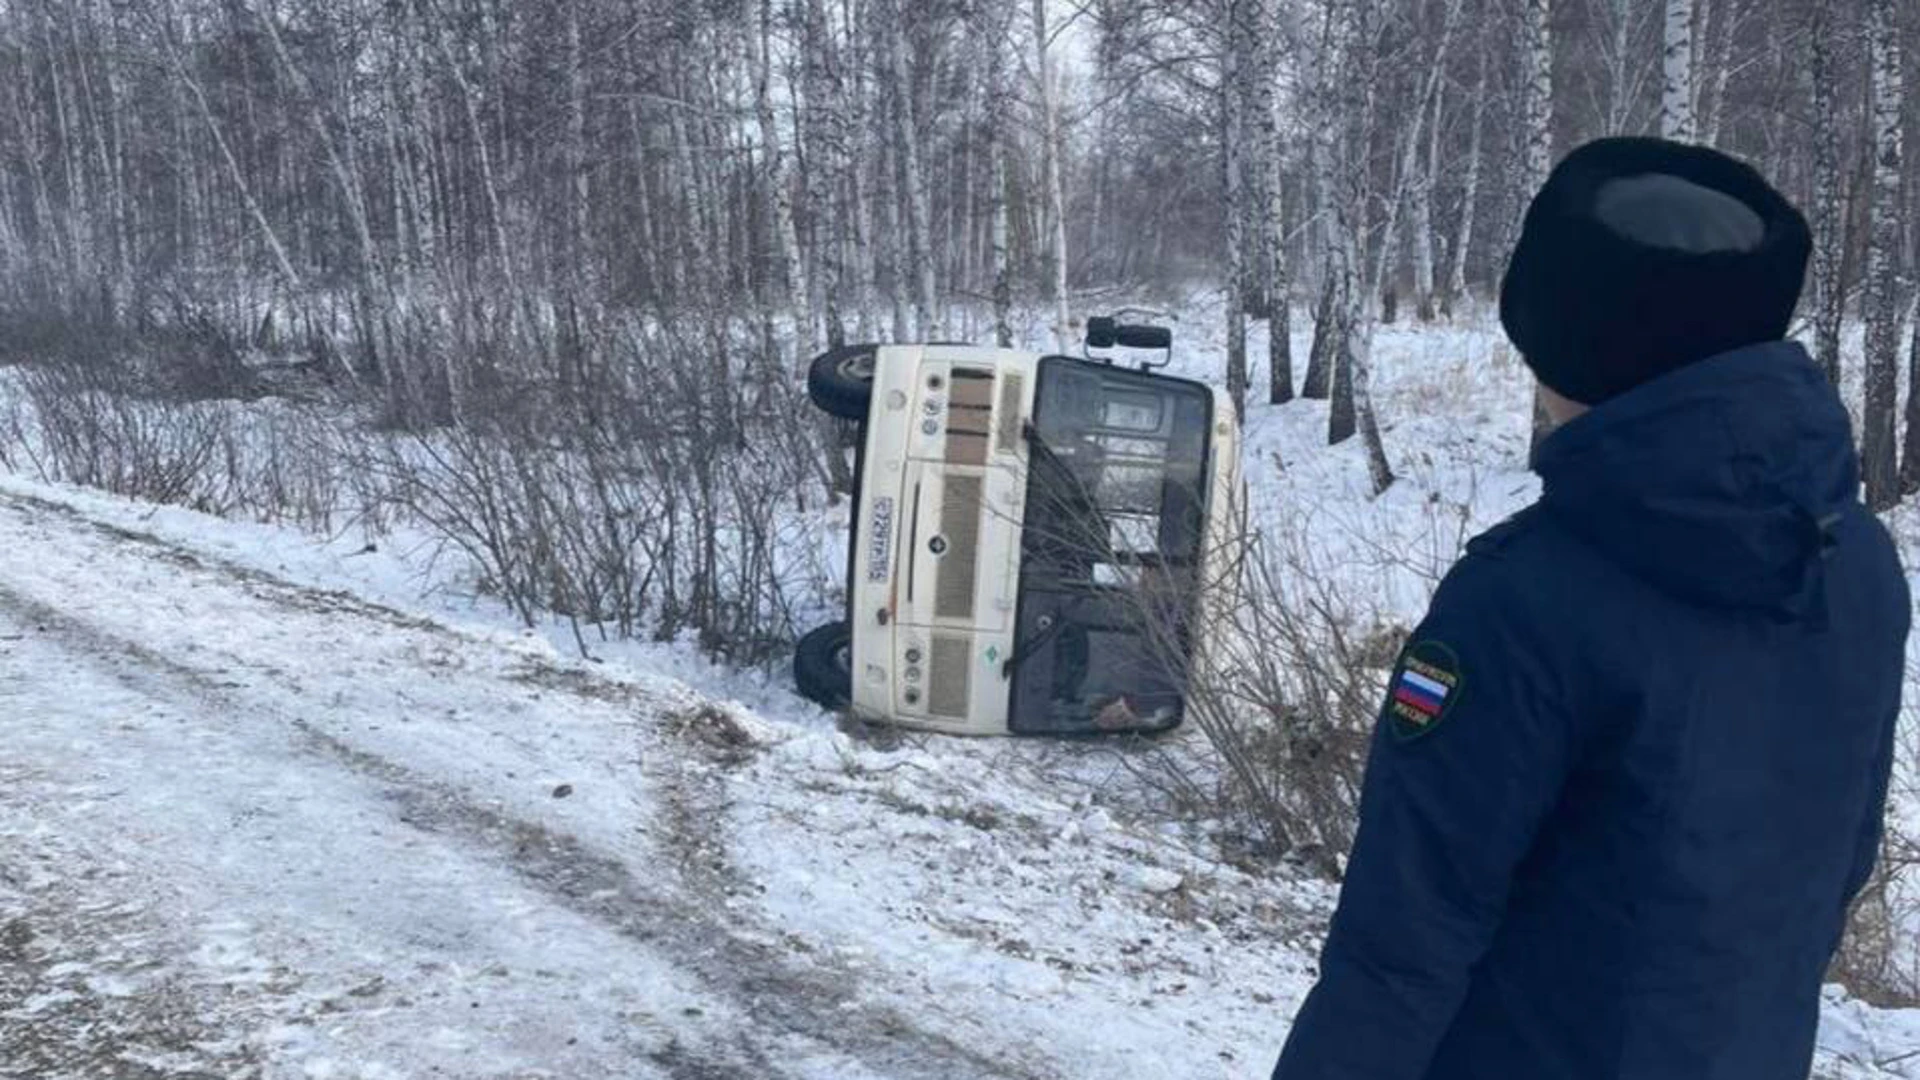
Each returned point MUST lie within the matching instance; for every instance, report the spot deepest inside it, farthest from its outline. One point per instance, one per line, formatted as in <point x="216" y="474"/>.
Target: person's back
<point x="1632" y="765"/>
<point x="1682" y="902"/>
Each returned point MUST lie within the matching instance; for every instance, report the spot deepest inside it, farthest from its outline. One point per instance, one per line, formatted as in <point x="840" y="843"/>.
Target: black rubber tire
<point x="823" y="666"/>
<point x="840" y="381"/>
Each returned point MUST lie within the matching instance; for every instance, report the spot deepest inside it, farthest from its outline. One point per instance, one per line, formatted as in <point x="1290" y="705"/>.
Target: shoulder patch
<point x="1424" y="689"/>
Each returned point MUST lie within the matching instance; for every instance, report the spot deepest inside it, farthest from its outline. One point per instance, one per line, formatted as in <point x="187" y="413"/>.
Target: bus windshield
<point x="1111" y="548"/>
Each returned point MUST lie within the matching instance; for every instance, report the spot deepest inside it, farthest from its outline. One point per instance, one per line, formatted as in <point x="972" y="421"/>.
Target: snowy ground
<point x="250" y="827"/>
<point x="279" y="807"/>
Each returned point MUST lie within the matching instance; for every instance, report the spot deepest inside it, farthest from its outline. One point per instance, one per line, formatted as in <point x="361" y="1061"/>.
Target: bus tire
<point x="823" y="666"/>
<point x="840" y="381"/>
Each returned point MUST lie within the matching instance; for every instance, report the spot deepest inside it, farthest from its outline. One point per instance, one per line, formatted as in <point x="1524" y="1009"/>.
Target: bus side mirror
<point x="1103" y="332"/>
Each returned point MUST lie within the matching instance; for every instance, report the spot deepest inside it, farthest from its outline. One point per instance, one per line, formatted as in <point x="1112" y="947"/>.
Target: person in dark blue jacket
<point x="1632" y="765"/>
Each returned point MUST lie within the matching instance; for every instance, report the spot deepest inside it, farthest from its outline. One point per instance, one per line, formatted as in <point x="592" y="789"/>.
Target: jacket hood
<point x="1720" y="483"/>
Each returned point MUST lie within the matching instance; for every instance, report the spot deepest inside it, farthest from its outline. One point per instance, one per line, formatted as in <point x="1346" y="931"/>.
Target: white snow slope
<point x="254" y="828"/>
<point x="265" y="812"/>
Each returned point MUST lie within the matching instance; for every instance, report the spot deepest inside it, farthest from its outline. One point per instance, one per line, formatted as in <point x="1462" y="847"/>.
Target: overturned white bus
<point x="1034" y="537"/>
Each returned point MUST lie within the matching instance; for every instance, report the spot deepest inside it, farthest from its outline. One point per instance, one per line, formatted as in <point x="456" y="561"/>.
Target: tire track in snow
<point x="68" y="1011"/>
<point x="688" y="913"/>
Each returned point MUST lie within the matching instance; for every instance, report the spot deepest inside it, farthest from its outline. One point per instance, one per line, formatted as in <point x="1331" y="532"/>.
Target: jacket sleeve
<point x="1448" y="810"/>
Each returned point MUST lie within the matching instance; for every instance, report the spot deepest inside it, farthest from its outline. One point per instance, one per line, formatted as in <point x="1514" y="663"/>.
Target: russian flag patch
<point x="1425" y="686"/>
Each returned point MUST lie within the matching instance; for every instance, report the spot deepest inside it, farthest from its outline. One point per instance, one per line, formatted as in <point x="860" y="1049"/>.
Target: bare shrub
<point x="91" y="424"/>
<point x="1300" y="622"/>
<point x="643" y="483"/>
<point x="1875" y="961"/>
<point x="1288" y="695"/>
<point x="626" y="472"/>
<point x="286" y="463"/>
<point x="81" y="427"/>
<point x="469" y="491"/>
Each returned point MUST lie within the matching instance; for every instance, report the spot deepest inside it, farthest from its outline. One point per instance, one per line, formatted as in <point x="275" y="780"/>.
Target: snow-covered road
<point x="249" y="828"/>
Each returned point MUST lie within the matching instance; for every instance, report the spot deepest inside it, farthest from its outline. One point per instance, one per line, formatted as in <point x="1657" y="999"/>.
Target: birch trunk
<point x="111" y="234"/>
<point x="1353" y="369"/>
<point x="962" y="261"/>
<point x="1052" y="167"/>
<point x="1420" y="228"/>
<point x="779" y="193"/>
<point x="995" y="124"/>
<point x="1676" y="99"/>
<point x="40" y="195"/>
<point x="1279" y="284"/>
<point x="913" y="182"/>
<point x="1729" y="14"/>
<point x="1622" y="64"/>
<point x="887" y="195"/>
<point x="865" y="237"/>
<point x="1346" y="296"/>
<point x="73" y="182"/>
<point x="429" y="153"/>
<point x="405" y="240"/>
<point x="12" y="252"/>
<point x="1318" y="384"/>
<point x="1325" y="145"/>
<point x="1537" y="92"/>
<point x="1456" y="289"/>
<point x="1910" y="453"/>
<point x="1236" y="69"/>
<point x="823" y="185"/>
<point x="1420" y="174"/>
<point x="574" y="257"/>
<point x="1877" y="449"/>
<point x="1538" y="111"/>
<point x="1829" y="289"/>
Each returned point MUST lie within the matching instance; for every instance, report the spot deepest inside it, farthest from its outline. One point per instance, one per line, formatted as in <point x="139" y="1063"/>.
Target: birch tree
<point x="1352" y="408"/>
<point x="435" y="189"/>
<point x="1267" y="107"/>
<point x="1239" y="70"/>
<point x="1711" y="92"/>
<point x="913" y="178"/>
<point x="824" y="182"/>
<point x="1677" y="94"/>
<point x="1325" y="147"/>
<point x="1829" y="233"/>
<point x="1537" y="109"/>
<point x="1537" y="91"/>
<point x="1420" y="172"/>
<point x="1877" y="442"/>
<point x="1052" y="168"/>
<point x="1462" y="246"/>
<point x="779" y="191"/>
<point x="993" y="24"/>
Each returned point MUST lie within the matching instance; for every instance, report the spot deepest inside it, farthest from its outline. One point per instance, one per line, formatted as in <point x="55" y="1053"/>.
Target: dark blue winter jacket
<point x="1632" y="766"/>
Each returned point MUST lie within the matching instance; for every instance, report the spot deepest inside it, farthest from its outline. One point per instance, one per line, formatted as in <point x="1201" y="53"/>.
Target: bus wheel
<point x="823" y="666"/>
<point x="840" y="381"/>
